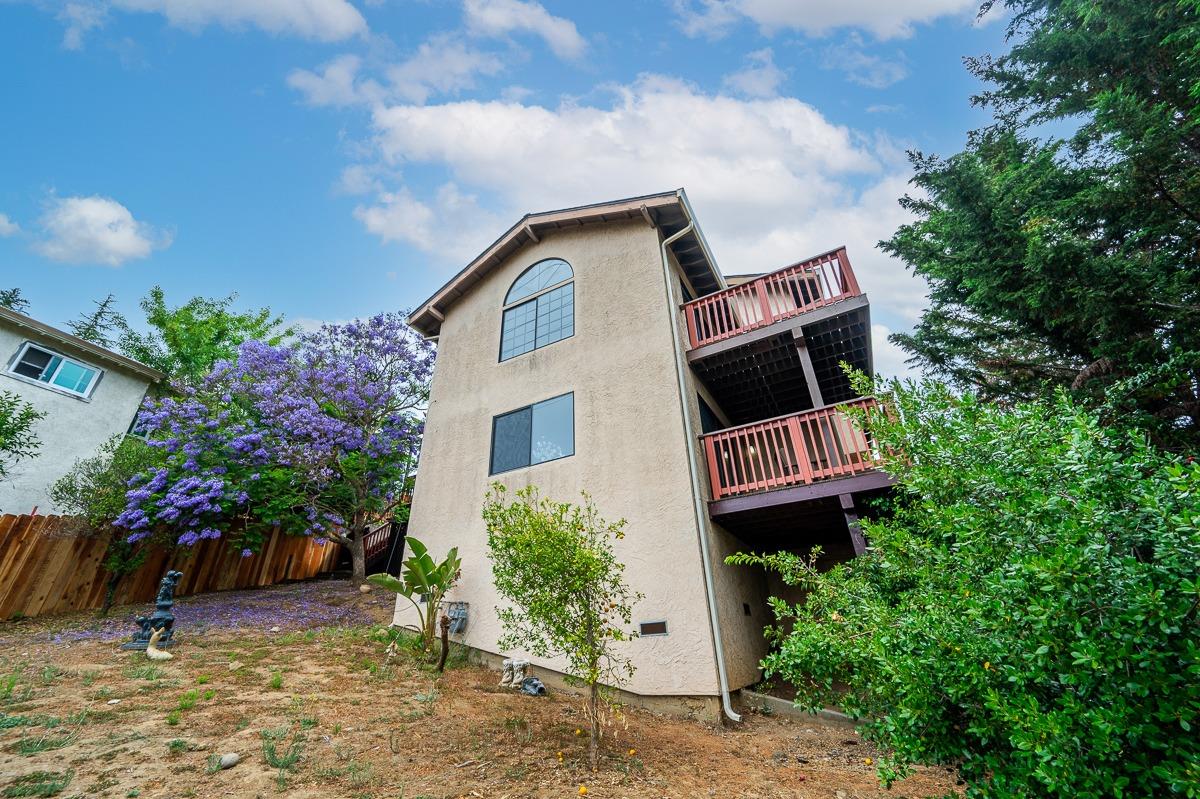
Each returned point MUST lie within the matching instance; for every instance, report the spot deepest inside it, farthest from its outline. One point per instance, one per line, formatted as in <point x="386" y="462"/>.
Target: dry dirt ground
<point x="316" y="709"/>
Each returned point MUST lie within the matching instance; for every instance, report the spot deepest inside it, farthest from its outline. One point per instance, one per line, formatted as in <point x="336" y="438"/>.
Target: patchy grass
<point x="147" y="671"/>
<point x="39" y="783"/>
<point x="335" y="726"/>
<point x="31" y="745"/>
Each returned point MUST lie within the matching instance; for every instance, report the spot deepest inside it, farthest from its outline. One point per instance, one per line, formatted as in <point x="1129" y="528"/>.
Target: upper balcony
<point x="774" y="345"/>
<point x="759" y="303"/>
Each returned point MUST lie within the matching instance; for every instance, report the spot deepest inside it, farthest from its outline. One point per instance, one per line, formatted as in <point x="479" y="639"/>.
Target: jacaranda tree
<point x="315" y="439"/>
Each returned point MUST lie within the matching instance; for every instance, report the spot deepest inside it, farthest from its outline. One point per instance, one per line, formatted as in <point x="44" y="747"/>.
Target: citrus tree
<point x="554" y="562"/>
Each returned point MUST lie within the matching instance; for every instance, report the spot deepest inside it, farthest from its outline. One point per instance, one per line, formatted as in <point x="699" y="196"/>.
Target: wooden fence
<point x="44" y="570"/>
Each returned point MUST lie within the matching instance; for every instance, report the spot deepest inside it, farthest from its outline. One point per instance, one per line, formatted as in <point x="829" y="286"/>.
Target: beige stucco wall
<point x="73" y="427"/>
<point x="629" y="447"/>
<point x="735" y="587"/>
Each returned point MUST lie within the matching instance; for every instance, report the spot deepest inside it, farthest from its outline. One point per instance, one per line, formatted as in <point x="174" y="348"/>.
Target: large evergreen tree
<point x="12" y="298"/>
<point x="1061" y="245"/>
<point x="100" y="325"/>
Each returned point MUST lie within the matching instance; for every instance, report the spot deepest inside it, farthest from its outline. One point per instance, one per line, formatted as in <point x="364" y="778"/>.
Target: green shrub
<point x="1027" y="611"/>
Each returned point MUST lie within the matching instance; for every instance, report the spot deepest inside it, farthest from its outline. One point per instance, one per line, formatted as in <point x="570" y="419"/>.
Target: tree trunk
<point x="594" y="712"/>
<point x="110" y="593"/>
<point x="358" y="556"/>
<point x="594" y="695"/>
<point x="445" y="643"/>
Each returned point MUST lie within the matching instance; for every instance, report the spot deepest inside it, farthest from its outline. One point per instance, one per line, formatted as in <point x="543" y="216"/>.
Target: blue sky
<point x="335" y="158"/>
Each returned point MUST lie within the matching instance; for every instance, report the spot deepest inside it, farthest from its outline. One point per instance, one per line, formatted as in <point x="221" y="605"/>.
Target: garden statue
<point x="161" y="620"/>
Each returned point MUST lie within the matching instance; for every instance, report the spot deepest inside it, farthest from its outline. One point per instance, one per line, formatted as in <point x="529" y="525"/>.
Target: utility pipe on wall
<point x="693" y="470"/>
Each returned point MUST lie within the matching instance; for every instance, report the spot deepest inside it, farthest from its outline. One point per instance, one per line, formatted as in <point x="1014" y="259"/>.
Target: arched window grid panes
<point x="539" y="308"/>
<point x="541" y="276"/>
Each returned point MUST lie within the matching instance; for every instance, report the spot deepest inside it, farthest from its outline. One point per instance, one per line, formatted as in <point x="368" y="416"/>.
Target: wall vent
<point x="652" y="628"/>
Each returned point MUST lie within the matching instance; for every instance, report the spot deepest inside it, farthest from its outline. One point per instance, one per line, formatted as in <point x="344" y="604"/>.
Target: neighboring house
<point x="87" y="392"/>
<point x="600" y="348"/>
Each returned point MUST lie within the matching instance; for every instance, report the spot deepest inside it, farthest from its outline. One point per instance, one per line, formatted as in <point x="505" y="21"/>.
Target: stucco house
<point x="601" y="348"/>
<point x="88" y="393"/>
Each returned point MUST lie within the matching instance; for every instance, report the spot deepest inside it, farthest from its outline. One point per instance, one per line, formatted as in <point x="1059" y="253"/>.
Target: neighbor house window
<point x="534" y="434"/>
<point x="45" y="366"/>
<point x="539" y="308"/>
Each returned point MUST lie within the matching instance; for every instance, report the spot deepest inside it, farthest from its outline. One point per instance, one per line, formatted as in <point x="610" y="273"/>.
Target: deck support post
<point x="810" y="374"/>
<point x="852" y="526"/>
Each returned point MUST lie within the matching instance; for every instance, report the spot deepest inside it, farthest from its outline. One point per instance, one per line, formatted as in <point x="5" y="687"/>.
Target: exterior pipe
<point x="693" y="471"/>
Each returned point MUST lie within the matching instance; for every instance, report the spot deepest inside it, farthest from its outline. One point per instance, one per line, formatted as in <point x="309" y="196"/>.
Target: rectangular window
<point x="44" y="366"/>
<point x="534" y="434"/>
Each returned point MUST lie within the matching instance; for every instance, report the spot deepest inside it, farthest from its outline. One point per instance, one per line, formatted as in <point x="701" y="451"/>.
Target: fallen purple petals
<point x="294" y="607"/>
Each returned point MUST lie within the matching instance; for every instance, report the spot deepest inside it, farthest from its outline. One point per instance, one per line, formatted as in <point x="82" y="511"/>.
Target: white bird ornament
<point x="152" y="651"/>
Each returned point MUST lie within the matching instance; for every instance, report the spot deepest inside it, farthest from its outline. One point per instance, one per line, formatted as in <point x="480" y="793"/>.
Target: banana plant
<point x="424" y="583"/>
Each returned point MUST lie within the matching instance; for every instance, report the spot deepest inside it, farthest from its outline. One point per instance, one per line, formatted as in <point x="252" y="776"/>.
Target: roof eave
<point x="94" y="351"/>
<point x="427" y="317"/>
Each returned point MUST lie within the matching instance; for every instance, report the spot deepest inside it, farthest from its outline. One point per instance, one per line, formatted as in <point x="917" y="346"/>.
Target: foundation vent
<point x="652" y="628"/>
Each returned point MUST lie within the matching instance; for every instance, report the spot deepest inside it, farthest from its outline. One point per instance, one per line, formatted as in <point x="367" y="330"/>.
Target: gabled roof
<point x="669" y="212"/>
<point x="43" y="332"/>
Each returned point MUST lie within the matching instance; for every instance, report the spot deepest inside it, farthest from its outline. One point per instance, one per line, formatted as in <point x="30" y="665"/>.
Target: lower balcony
<point x="796" y="458"/>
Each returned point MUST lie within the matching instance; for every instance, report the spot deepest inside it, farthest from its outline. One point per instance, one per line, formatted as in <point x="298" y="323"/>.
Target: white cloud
<point x="499" y="18"/>
<point x="96" y="230"/>
<point x="516" y="94"/>
<point x="8" y="227"/>
<point x="772" y="179"/>
<point x="442" y="65"/>
<point x="322" y="20"/>
<point x="759" y="78"/>
<point x="861" y="67"/>
<point x="885" y="19"/>
<point x="336" y="84"/>
<point x="359" y="179"/>
<point x="79" y="19"/>
<point x="451" y="223"/>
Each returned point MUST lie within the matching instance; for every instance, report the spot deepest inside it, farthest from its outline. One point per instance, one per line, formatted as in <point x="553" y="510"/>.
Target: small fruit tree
<point x="554" y="562"/>
<point x="424" y="583"/>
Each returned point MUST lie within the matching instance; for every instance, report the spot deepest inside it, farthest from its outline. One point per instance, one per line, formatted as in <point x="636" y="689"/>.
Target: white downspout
<point x="693" y="471"/>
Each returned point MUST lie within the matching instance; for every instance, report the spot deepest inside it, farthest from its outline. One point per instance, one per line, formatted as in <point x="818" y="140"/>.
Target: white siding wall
<point x="73" y="427"/>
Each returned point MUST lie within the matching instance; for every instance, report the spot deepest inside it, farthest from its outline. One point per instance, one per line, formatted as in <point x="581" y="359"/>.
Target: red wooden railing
<point x="791" y="450"/>
<point x="376" y="540"/>
<point x="789" y="292"/>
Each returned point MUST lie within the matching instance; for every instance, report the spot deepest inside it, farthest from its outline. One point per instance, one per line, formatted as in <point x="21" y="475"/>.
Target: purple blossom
<point x="297" y="414"/>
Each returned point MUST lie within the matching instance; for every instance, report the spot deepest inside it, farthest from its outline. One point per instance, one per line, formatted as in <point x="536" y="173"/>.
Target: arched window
<point x="539" y="308"/>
